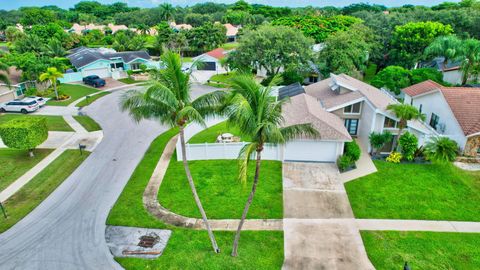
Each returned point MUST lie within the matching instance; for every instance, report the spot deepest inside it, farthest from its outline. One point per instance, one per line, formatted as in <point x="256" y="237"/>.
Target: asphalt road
<point x="67" y="230"/>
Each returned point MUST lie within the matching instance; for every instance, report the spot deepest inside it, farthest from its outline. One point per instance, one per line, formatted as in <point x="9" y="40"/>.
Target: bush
<point x="409" y="144"/>
<point x="344" y="162"/>
<point x="31" y="92"/>
<point x="378" y="140"/>
<point x="394" y="157"/>
<point x="24" y="133"/>
<point x="352" y="150"/>
<point x="441" y="149"/>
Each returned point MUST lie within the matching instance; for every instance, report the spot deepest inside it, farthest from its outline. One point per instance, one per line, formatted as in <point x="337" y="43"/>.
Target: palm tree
<point x="449" y="47"/>
<point x="168" y="100"/>
<point x="441" y="149"/>
<point x="167" y="12"/>
<point x="52" y="75"/>
<point x="4" y="75"/>
<point x="405" y="113"/>
<point x="257" y="113"/>
<point x="470" y="58"/>
<point x="55" y="48"/>
<point x="143" y="29"/>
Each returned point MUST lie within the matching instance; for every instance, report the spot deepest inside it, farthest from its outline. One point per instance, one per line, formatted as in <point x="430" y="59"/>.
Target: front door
<point x="352" y="126"/>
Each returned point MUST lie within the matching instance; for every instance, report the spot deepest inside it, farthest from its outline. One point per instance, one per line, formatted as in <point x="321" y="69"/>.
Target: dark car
<point x="94" y="81"/>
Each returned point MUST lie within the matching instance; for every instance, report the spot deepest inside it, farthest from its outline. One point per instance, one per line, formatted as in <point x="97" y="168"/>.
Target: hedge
<point x="24" y="133"/>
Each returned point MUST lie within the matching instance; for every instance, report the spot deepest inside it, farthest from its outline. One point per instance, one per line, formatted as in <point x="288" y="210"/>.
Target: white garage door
<point x="100" y="72"/>
<point x="311" y="151"/>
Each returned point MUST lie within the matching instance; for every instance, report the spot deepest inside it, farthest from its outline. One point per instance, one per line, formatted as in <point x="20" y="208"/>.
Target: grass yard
<point x="88" y="123"/>
<point x="222" y="195"/>
<point x="75" y="92"/>
<point x="33" y="193"/>
<point x="92" y="99"/>
<point x="54" y="122"/>
<point x="230" y="45"/>
<point x="416" y="191"/>
<point x="210" y="134"/>
<point x="422" y="250"/>
<point x="189" y="249"/>
<point x="221" y="80"/>
<point x="15" y="163"/>
<point x="130" y="81"/>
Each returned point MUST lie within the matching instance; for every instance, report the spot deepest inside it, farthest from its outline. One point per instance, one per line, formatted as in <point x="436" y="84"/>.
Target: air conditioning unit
<point x="441" y="127"/>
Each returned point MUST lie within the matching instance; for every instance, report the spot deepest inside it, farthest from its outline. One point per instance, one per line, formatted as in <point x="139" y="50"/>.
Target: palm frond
<point x="243" y="158"/>
<point x="300" y="130"/>
<point x="210" y="104"/>
<point x="189" y="114"/>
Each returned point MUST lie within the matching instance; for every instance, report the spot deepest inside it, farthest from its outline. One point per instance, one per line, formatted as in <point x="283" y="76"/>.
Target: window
<point x="352" y="109"/>
<point x="313" y="79"/>
<point x="434" y="121"/>
<point x="420" y="108"/>
<point x="389" y="123"/>
<point x="135" y="66"/>
<point x="116" y="65"/>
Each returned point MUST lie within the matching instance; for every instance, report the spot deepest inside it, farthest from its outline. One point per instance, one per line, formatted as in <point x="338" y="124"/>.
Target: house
<point x="452" y="111"/>
<point x="232" y="32"/>
<point x="451" y="71"/>
<point x="211" y="60"/>
<point x="361" y="108"/>
<point x="81" y="29"/>
<point x="105" y="62"/>
<point x="180" y="27"/>
<point x="16" y="88"/>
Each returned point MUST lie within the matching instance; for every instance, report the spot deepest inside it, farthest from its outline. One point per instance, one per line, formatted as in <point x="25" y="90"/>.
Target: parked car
<point x="94" y="81"/>
<point x="25" y="105"/>
<point x="40" y="100"/>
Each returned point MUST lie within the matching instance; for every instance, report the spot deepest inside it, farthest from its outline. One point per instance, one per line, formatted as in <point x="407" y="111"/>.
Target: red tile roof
<point x="422" y="88"/>
<point x="218" y="53"/>
<point x="465" y="105"/>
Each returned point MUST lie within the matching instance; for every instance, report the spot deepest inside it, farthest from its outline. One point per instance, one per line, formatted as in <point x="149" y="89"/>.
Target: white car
<point x="25" y="105"/>
<point x="40" y="100"/>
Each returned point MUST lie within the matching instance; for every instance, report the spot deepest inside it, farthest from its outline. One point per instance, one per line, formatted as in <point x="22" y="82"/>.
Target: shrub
<point x="409" y="144"/>
<point x="143" y="68"/>
<point x="31" y="92"/>
<point x="24" y="133"/>
<point x="441" y="149"/>
<point x="394" y="157"/>
<point x="129" y="73"/>
<point x="352" y="150"/>
<point x="378" y="140"/>
<point x="344" y="162"/>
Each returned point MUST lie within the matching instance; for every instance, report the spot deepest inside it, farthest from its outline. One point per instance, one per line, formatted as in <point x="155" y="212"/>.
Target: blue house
<point x="105" y="62"/>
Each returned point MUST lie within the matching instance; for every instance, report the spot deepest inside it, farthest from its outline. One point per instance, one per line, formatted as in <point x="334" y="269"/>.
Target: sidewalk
<point x="417" y="225"/>
<point x="364" y="165"/>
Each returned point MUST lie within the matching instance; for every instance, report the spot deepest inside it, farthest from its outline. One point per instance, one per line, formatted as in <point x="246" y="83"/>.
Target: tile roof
<point x="231" y="30"/>
<point x="422" y="88"/>
<point x="465" y="105"/>
<point x="217" y="53"/>
<point x="304" y="109"/>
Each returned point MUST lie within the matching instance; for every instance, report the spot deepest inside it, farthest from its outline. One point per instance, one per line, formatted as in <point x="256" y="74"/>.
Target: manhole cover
<point x="148" y="241"/>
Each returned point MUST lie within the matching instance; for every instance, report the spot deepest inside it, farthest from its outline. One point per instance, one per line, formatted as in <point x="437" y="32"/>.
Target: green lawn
<point x="88" y="123"/>
<point x="15" y="163"/>
<point x="416" y="191"/>
<point x="130" y="81"/>
<point x="221" y="80"/>
<point x="189" y="249"/>
<point x="33" y="193"/>
<point x="75" y="92"/>
<point x="422" y="250"/>
<point x="92" y="99"/>
<point x="210" y="134"/>
<point x="54" y="122"/>
<point x="230" y="45"/>
<point x="222" y="195"/>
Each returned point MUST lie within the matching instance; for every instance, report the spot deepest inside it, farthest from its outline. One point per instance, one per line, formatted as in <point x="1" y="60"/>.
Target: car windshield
<point x="33" y="102"/>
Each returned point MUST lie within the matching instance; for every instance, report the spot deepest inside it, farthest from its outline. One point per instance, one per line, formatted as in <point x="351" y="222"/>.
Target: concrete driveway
<point x="319" y="227"/>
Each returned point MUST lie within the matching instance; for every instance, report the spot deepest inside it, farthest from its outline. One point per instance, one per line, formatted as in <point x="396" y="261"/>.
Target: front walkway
<point x="319" y="226"/>
<point x="364" y="166"/>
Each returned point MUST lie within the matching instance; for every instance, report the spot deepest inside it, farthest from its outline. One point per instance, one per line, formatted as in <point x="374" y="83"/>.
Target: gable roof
<point x="217" y="53"/>
<point x="84" y="56"/>
<point x="290" y="90"/>
<point x="422" y="88"/>
<point x="304" y="109"/>
<point x="231" y="30"/>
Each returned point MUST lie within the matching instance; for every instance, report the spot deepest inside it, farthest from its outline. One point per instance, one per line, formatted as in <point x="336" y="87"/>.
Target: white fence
<point x="205" y="151"/>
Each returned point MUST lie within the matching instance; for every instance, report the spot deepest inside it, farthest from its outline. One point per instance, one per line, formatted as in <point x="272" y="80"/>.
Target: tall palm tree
<point x="405" y="113"/>
<point x="167" y="12"/>
<point x="168" y="100"/>
<point x="143" y="29"/>
<point x="52" y="75"/>
<point x="257" y="113"/>
<point x="449" y="47"/>
<point x="4" y="75"/>
<point x="470" y="58"/>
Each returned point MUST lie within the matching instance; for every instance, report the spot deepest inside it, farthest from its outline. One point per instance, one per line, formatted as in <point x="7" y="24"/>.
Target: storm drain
<point x="148" y="241"/>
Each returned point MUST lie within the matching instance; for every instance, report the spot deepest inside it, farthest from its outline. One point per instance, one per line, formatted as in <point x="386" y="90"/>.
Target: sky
<point x="8" y="4"/>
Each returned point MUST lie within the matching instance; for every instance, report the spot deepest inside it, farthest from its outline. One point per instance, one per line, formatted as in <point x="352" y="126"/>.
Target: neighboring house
<point x="211" y="60"/>
<point x="360" y="106"/>
<point x="107" y="62"/>
<point x="81" y="29"/>
<point x="452" y="111"/>
<point x="451" y="71"/>
<point x="180" y="27"/>
<point x="232" y="32"/>
<point x="16" y="88"/>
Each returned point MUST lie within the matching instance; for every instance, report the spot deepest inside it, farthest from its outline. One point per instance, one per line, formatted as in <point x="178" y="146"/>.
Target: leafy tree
<point x="208" y="8"/>
<point x="405" y="113"/>
<point x="168" y="100"/>
<point x="33" y="15"/>
<point x="24" y="133"/>
<point x="30" y="43"/>
<point x="257" y="113"/>
<point x="410" y="40"/>
<point x="4" y="74"/>
<point x="55" y="48"/>
<point x="318" y="28"/>
<point x="347" y="51"/>
<point x="445" y="46"/>
<point x="394" y="78"/>
<point x="13" y="34"/>
<point x="206" y="37"/>
<point x="197" y="19"/>
<point x="238" y="17"/>
<point x="422" y="74"/>
<point x="272" y="48"/>
<point x="52" y="75"/>
<point x="361" y="7"/>
<point x="408" y="143"/>
<point x="470" y="58"/>
<point x="378" y="140"/>
<point x="441" y="149"/>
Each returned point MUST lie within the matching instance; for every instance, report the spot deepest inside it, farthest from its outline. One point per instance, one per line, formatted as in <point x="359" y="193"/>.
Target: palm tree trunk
<point x="194" y="191"/>
<point x="397" y="138"/>
<point x="55" y="88"/>
<point x="247" y="205"/>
